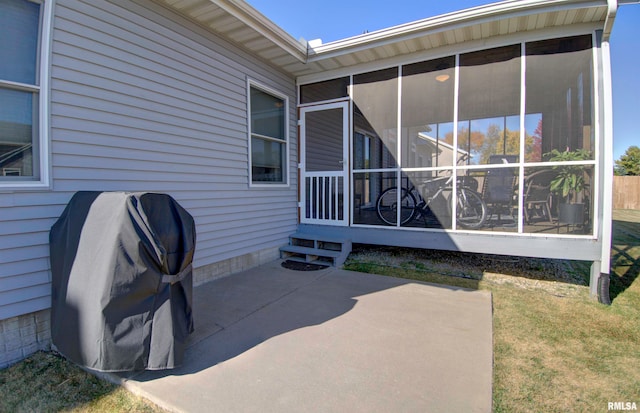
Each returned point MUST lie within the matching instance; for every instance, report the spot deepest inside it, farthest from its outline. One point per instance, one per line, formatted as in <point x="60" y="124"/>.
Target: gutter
<point x="599" y="279"/>
<point x="612" y="6"/>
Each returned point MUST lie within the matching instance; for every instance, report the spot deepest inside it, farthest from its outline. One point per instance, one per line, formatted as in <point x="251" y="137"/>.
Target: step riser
<point x="308" y="259"/>
<point x="311" y="249"/>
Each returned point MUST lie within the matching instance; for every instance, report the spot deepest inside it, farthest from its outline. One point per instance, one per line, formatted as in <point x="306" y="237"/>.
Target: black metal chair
<point x="498" y="189"/>
<point x="537" y="196"/>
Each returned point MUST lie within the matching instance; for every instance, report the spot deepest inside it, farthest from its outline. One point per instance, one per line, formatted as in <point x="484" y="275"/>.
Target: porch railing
<point x="324" y="200"/>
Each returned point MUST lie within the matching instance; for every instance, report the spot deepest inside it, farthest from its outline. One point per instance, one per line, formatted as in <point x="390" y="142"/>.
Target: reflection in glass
<point x="17" y="133"/>
<point x="267" y="115"/>
<point x="433" y="149"/>
<point x="427" y="113"/>
<point x="485" y="139"/>
<point x="547" y="210"/>
<point x="367" y="187"/>
<point x="533" y="137"/>
<point x="267" y="160"/>
<point x="370" y="152"/>
<point x="375" y="97"/>
<point x="489" y="103"/>
<point x="268" y="137"/>
<point x="19" y="44"/>
<point x="559" y="82"/>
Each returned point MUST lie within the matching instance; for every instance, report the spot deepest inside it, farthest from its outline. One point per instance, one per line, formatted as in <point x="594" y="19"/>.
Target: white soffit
<point x="239" y="22"/>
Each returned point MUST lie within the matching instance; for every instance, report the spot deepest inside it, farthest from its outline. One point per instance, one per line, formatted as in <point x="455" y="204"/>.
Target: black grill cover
<point x="122" y="280"/>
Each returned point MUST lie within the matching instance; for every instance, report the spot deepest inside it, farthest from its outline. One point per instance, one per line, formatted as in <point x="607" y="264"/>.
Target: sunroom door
<point x="324" y="132"/>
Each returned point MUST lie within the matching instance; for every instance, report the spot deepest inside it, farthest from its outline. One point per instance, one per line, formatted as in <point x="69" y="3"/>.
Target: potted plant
<point x="568" y="184"/>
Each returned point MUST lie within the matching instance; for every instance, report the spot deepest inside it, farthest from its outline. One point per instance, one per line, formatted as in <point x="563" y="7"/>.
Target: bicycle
<point x="471" y="210"/>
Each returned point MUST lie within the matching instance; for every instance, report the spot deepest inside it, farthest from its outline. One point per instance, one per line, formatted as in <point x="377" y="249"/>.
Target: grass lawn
<point x="46" y="382"/>
<point x="555" y="349"/>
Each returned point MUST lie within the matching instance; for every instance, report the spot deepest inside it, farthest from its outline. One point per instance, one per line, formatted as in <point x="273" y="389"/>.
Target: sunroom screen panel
<point x="489" y="103"/>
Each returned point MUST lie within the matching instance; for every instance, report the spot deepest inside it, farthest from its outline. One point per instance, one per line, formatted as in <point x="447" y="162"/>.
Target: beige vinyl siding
<point x="145" y="100"/>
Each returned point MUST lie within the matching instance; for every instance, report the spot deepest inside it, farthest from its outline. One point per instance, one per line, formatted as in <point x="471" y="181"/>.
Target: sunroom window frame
<point x="521" y="164"/>
<point x="253" y="84"/>
<point x="40" y="88"/>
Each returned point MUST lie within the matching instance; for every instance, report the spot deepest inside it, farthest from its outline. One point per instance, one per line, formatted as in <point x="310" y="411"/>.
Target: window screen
<point x="19" y="90"/>
<point x="268" y="137"/>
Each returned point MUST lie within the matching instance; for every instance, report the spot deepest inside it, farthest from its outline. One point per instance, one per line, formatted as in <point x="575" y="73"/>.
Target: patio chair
<point x="498" y="188"/>
<point x="537" y="195"/>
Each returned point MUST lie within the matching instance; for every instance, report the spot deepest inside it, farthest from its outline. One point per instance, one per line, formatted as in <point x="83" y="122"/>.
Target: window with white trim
<point x="268" y="136"/>
<point x="20" y="44"/>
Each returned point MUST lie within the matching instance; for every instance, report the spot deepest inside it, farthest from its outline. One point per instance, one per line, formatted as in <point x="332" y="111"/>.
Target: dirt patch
<point x="558" y="277"/>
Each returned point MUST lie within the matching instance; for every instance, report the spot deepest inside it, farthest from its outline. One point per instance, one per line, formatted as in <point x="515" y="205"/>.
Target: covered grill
<point x="121" y="267"/>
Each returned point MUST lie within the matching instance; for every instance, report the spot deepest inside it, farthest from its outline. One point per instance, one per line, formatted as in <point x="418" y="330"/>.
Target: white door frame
<point x="320" y="199"/>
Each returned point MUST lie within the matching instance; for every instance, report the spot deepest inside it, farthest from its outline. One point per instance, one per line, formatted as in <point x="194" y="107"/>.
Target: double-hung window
<point x="268" y="136"/>
<point x="21" y="146"/>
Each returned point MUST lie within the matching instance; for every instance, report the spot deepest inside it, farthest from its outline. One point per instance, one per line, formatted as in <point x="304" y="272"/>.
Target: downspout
<point x="599" y="283"/>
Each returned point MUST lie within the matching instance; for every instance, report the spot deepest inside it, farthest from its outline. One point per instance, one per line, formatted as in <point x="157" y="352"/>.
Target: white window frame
<point x="285" y="183"/>
<point x="41" y="88"/>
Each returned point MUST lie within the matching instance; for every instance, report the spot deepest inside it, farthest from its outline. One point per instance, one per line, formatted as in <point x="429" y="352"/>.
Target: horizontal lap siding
<point x="144" y="100"/>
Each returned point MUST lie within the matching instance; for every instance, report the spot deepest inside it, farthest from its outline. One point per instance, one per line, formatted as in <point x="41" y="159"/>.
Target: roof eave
<point x="476" y="15"/>
<point x="249" y="16"/>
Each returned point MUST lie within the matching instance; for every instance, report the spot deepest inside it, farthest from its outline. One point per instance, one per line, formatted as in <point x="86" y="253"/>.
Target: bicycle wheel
<point x="471" y="211"/>
<point x="387" y="206"/>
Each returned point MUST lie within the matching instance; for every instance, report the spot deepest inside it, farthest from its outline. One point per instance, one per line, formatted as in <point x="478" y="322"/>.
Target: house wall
<point x="145" y="100"/>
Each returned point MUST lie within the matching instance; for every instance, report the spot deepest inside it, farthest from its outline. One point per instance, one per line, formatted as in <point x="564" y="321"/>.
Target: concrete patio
<point x="277" y="340"/>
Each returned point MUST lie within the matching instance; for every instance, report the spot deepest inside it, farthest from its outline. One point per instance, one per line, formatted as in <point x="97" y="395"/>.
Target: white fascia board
<point x="251" y="17"/>
<point x="476" y="15"/>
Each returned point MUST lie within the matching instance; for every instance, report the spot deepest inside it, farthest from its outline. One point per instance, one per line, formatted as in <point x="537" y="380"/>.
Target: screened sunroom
<point x="515" y="105"/>
<point x="493" y="146"/>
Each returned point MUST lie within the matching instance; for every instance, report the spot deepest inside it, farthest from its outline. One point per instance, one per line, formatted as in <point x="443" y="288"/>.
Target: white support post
<point x="594" y="278"/>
